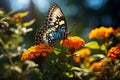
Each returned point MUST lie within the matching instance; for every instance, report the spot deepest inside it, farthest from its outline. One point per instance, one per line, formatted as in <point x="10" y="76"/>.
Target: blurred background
<point x="81" y="15"/>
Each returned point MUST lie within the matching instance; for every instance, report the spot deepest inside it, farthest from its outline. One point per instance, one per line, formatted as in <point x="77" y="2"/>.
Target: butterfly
<point x="54" y="29"/>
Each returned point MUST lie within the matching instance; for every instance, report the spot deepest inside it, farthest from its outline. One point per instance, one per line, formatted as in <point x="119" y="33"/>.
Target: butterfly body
<point x="54" y="29"/>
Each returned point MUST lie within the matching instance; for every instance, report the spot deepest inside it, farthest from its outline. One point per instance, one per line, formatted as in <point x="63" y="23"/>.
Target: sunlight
<point x="95" y="4"/>
<point x="42" y="5"/>
<point x="19" y="4"/>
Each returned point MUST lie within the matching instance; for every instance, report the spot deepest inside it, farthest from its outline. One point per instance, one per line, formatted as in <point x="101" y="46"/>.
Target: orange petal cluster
<point x="101" y="33"/>
<point x="114" y="53"/>
<point x="98" y="65"/>
<point x="73" y="42"/>
<point x="36" y="51"/>
<point x="16" y="18"/>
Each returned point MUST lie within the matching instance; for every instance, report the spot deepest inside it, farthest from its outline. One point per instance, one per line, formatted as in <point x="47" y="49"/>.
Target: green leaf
<point x="98" y="55"/>
<point x="93" y="45"/>
<point x="1" y="41"/>
<point x="80" y="70"/>
<point x="103" y="47"/>
<point x="26" y="24"/>
<point x="57" y="51"/>
<point x="5" y="18"/>
<point x="23" y="14"/>
<point x="11" y="12"/>
<point x="70" y="75"/>
<point x="76" y="69"/>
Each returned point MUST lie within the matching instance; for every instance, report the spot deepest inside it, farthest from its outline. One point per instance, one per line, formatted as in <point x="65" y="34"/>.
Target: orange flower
<point x="36" y="51"/>
<point x="24" y="57"/>
<point x="98" y="65"/>
<point x="95" y="66"/>
<point x="82" y="53"/>
<point x="101" y="33"/>
<point x="31" y="56"/>
<point x="16" y="18"/>
<point x="114" y="53"/>
<point x="73" y="42"/>
<point x="117" y="33"/>
<point x="76" y="59"/>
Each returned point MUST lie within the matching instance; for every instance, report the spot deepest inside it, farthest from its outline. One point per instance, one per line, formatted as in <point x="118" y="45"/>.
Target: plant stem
<point x="9" y="57"/>
<point x="5" y="50"/>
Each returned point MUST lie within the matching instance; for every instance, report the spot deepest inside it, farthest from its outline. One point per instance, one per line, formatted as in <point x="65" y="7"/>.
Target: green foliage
<point x="93" y="45"/>
<point x="89" y="62"/>
<point x="11" y="38"/>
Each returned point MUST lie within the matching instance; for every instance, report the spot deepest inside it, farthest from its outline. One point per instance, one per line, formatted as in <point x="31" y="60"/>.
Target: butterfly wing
<point x="55" y="27"/>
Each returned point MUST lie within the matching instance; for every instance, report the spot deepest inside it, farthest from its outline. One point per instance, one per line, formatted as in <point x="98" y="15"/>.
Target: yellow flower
<point x="101" y="33"/>
<point x="114" y="53"/>
<point x="80" y="54"/>
<point x="36" y="51"/>
<point x="73" y="42"/>
<point x="83" y="52"/>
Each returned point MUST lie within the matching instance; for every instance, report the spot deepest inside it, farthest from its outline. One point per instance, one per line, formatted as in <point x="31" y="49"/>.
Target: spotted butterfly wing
<point x="54" y="29"/>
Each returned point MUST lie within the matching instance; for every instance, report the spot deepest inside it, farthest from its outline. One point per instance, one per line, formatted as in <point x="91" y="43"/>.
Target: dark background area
<point x="81" y="15"/>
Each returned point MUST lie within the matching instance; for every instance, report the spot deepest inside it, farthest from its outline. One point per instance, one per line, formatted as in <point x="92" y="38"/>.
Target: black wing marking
<point x="55" y="19"/>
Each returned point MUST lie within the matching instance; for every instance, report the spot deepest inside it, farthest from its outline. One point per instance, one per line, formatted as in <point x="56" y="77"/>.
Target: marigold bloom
<point x="98" y="65"/>
<point x="73" y="42"/>
<point x="101" y="33"/>
<point x="76" y="59"/>
<point x="36" y="51"/>
<point x="24" y="57"/>
<point x="16" y="18"/>
<point x="114" y="53"/>
<point x="117" y="33"/>
<point x="82" y="53"/>
<point x="94" y="66"/>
